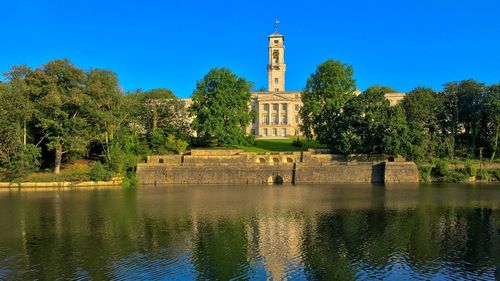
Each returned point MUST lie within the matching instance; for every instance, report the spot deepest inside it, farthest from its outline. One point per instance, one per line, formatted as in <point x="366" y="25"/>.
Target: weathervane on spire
<point x="276" y="24"/>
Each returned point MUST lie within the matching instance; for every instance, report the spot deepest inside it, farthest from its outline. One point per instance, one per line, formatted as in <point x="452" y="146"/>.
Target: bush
<point x="483" y="175"/>
<point x="440" y="169"/>
<point x="99" y="172"/>
<point x="425" y="173"/>
<point x="470" y="168"/>
<point x="298" y="143"/>
<point x="23" y="162"/>
<point x="455" y="176"/>
<point x="496" y="174"/>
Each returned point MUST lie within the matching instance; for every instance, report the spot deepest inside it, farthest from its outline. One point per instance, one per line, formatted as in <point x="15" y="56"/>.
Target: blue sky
<point x="172" y="44"/>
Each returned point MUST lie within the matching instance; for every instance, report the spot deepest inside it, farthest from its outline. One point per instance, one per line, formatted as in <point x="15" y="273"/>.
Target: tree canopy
<point x="58" y="112"/>
<point x="221" y="108"/>
<point x="325" y="94"/>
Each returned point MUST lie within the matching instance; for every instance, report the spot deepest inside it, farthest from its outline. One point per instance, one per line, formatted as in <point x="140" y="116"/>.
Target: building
<point x="277" y="109"/>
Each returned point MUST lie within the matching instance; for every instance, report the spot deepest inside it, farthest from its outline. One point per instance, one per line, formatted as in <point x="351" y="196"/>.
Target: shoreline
<point x="10" y="185"/>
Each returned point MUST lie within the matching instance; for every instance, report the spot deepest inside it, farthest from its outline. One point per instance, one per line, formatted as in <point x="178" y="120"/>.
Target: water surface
<point x="315" y="232"/>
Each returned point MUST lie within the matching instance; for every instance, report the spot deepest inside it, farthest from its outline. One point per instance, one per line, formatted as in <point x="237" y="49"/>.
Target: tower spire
<point x="276" y="24"/>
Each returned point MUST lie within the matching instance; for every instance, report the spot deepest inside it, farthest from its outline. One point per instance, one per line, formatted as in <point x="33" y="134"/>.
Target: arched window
<point x="160" y="161"/>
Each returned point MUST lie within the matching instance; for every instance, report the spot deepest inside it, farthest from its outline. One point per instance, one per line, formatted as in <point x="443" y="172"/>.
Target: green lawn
<point x="264" y="145"/>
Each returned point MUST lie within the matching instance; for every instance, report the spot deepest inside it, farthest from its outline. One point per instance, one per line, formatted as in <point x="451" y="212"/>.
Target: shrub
<point x="454" y="176"/>
<point x="297" y="143"/>
<point x="425" y="173"/>
<point x="23" y="162"/>
<point x="483" y="175"/>
<point x="470" y="168"/>
<point x="496" y="174"/>
<point x="99" y="172"/>
<point x="440" y="169"/>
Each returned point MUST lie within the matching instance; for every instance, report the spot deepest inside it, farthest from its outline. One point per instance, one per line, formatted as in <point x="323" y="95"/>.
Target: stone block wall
<point x="237" y="167"/>
<point x="397" y="172"/>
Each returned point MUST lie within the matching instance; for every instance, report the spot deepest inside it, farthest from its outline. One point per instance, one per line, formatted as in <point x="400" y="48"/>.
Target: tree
<point x="492" y="116"/>
<point x="221" y="106"/>
<point x="368" y="124"/>
<point x="63" y="107"/>
<point x="101" y="86"/>
<point x="462" y="115"/>
<point x="422" y="107"/>
<point x="325" y="94"/>
<point x="20" y="98"/>
<point x="164" y="114"/>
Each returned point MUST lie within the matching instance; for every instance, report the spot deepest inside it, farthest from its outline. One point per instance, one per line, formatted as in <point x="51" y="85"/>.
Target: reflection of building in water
<point x="279" y="239"/>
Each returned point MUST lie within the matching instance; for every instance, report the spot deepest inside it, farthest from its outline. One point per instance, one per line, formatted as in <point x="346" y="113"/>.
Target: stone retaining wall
<point x="238" y="167"/>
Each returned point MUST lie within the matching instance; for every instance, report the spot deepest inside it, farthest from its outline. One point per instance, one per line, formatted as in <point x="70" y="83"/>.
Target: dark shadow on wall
<point x="378" y="171"/>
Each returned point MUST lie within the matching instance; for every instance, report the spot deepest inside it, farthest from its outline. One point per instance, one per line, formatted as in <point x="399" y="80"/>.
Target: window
<point x="275" y="106"/>
<point x="276" y="119"/>
<point x="253" y="132"/>
<point x="265" y="131"/>
<point x="297" y="119"/>
<point x="283" y="119"/>
<point x="265" y="119"/>
<point x="276" y="90"/>
<point x="297" y="107"/>
<point x="276" y="41"/>
<point x="284" y="132"/>
<point x="266" y="107"/>
<point x="275" y="80"/>
<point x="276" y="56"/>
<point x="275" y="132"/>
<point x="283" y="106"/>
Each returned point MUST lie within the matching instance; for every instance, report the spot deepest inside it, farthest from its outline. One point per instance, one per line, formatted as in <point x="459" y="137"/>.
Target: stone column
<point x="279" y="114"/>
<point x="288" y="106"/>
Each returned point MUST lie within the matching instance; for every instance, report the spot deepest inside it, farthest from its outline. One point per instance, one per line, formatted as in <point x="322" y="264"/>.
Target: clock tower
<point x="276" y="66"/>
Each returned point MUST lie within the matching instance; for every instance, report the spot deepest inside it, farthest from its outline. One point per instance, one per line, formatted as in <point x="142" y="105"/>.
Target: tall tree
<point x="422" y="107"/>
<point x="368" y="124"/>
<point x="492" y="116"/>
<point x="21" y="98"/>
<point x="325" y="94"/>
<point x="463" y="114"/>
<point x="63" y="107"/>
<point x="221" y="106"/>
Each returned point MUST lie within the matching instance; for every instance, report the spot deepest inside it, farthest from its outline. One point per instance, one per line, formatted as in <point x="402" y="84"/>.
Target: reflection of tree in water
<point x="345" y="242"/>
<point x="220" y="249"/>
<point x="100" y="235"/>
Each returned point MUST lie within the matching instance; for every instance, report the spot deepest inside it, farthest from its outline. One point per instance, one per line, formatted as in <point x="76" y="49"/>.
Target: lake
<point x="314" y="232"/>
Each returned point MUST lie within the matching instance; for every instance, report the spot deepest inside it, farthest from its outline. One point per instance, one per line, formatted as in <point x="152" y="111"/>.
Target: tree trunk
<point x="57" y="163"/>
<point x="24" y="132"/>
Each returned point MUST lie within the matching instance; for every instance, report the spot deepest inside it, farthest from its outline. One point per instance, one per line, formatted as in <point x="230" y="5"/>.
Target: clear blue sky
<point x="172" y="44"/>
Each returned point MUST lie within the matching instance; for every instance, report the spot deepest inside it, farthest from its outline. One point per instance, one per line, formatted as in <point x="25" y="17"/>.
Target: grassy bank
<point x="443" y="170"/>
<point x="287" y="144"/>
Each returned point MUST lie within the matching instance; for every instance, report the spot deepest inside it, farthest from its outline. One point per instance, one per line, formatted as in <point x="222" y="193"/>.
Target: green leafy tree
<point x="101" y="86"/>
<point x="221" y="106"/>
<point x="164" y="115"/>
<point x="422" y="107"/>
<point x="63" y="107"/>
<point x="462" y="116"/>
<point x="325" y="94"/>
<point x="492" y="118"/>
<point x="368" y="124"/>
<point x="20" y="98"/>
